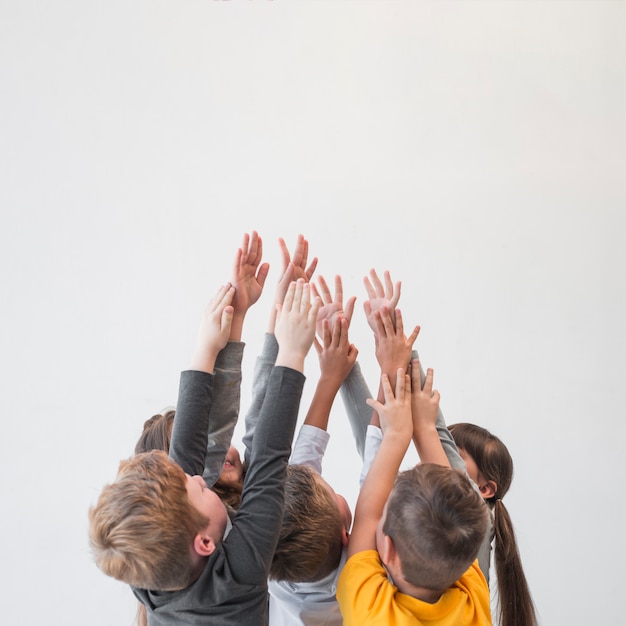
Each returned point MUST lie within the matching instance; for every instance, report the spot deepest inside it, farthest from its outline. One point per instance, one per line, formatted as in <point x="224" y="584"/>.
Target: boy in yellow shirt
<point x="412" y="552"/>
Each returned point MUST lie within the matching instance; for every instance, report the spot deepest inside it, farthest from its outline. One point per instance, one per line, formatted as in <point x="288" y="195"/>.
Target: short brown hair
<point x="310" y="543"/>
<point x="142" y="527"/>
<point x="437" y="522"/>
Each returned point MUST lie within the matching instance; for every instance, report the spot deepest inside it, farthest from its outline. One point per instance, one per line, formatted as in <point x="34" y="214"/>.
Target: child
<point x="316" y="521"/>
<point x="490" y="466"/>
<point x="382" y="297"/>
<point x="187" y="571"/>
<point x="248" y="277"/>
<point x="425" y="530"/>
<point x="312" y="548"/>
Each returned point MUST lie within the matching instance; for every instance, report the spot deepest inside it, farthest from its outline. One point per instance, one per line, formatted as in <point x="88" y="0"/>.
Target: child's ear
<point x="488" y="489"/>
<point x="388" y="552"/>
<point x="203" y="545"/>
<point x="345" y="537"/>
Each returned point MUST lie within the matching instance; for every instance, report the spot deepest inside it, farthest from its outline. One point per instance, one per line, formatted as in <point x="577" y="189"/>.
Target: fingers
<point x="227" y="318"/>
<point x="300" y="251"/>
<point x="377" y="406"/>
<point x="387" y="390"/>
<point x="245" y="244"/>
<point x="327" y="334"/>
<point x="222" y="298"/>
<point x="311" y="269"/>
<point x="403" y="383"/>
<point x="289" y="297"/>
<point x="407" y="388"/>
<point x="349" y="310"/>
<point x="379" y="326"/>
<point x="284" y="252"/>
<point x="300" y="299"/>
<point x="304" y="252"/>
<point x="413" y="335"/>
<point x="334" y="333"/>
<point x="427" y="387"/>
<point x="416" y="379"/>
<point x="380" y="292"/>
<point x="262" y="273"/>
<point x="371" y="292"/>
<point x="324" y="291"/>
<point x="315" y="306"/>
<point x="388" y="285"/>
<point x="384" y="323"/>
<point x="338" y="290"/>
<point x="314" y="292"/>
<point x="253" y="249"/>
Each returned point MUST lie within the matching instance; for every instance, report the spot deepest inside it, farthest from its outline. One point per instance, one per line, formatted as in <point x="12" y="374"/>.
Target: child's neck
<point x="405" y="587"/>
<point x="421" y="593"/>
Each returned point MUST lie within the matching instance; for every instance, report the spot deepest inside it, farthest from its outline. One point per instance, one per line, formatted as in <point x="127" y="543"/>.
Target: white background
<point x="475" y="149"/>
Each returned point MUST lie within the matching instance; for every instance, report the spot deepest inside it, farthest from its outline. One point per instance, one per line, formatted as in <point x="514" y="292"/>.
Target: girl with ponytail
<point x="490" y="466"/>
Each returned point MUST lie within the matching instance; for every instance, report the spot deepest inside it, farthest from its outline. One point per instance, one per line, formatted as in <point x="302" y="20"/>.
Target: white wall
<point x="477" y="150"/>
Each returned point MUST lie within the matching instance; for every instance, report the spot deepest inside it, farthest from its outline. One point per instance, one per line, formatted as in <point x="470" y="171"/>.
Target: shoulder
<point x="364" y="568"/>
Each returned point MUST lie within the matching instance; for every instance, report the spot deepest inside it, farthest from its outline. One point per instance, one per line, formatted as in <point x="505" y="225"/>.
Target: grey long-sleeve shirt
<point x="232" y="589"/>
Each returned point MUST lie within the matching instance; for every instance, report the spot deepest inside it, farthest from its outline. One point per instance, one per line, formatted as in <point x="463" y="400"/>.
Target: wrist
<point x="398" y="432"/>
<point x="330" y="381"/>
<point x="291" y="359"/>
<point x="236" y="327"/>
<point x="203" y="359"/>
<point x="423" y="431"/>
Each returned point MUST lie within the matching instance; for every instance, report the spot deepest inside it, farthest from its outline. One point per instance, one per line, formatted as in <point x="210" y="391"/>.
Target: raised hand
<point x="332" y="308"/>
<point x="424" y="408"/>
<point x="295" y="325"/>
<point x="393" y="348"/>
<point x="248" y="273"/>
<point x="395" y="413"/>
<point x="380" y="296"/>
<point x="336" y="354"/>
<point x="424" y="400"/>
<point x="293" y="269"/>
<point x="214" y="329"/>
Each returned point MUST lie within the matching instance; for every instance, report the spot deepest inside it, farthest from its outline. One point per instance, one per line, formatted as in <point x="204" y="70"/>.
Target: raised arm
<point x="190" y="431"/>
<point x="256" y="528"/>
<point x="395" y="416"/>
<point x="424" y="409"/>
<point x="249" y="276"/>
<point x="293" y="268"/>
<point x="445" y="437"/>
<point x="337" y="356"/>
<point x="393" y="351"/>
<point x="355" y="391"/>
<point x="248" y="279"/>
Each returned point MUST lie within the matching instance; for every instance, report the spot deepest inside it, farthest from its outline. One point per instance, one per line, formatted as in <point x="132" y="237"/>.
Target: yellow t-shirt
<point x="367" y="598"/>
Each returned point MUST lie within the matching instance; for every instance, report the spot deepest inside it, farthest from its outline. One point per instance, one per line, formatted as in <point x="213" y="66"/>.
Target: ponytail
<point x="515" y="604"/>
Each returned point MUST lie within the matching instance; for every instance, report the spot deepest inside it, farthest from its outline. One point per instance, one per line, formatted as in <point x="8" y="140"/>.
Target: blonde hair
<point x="437" y="522"/>
<point x="310" y="545"/>
<point x="143" y="524"/>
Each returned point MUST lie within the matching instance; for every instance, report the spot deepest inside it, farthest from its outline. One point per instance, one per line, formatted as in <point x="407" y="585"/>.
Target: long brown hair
<point x="493" y="460"/>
